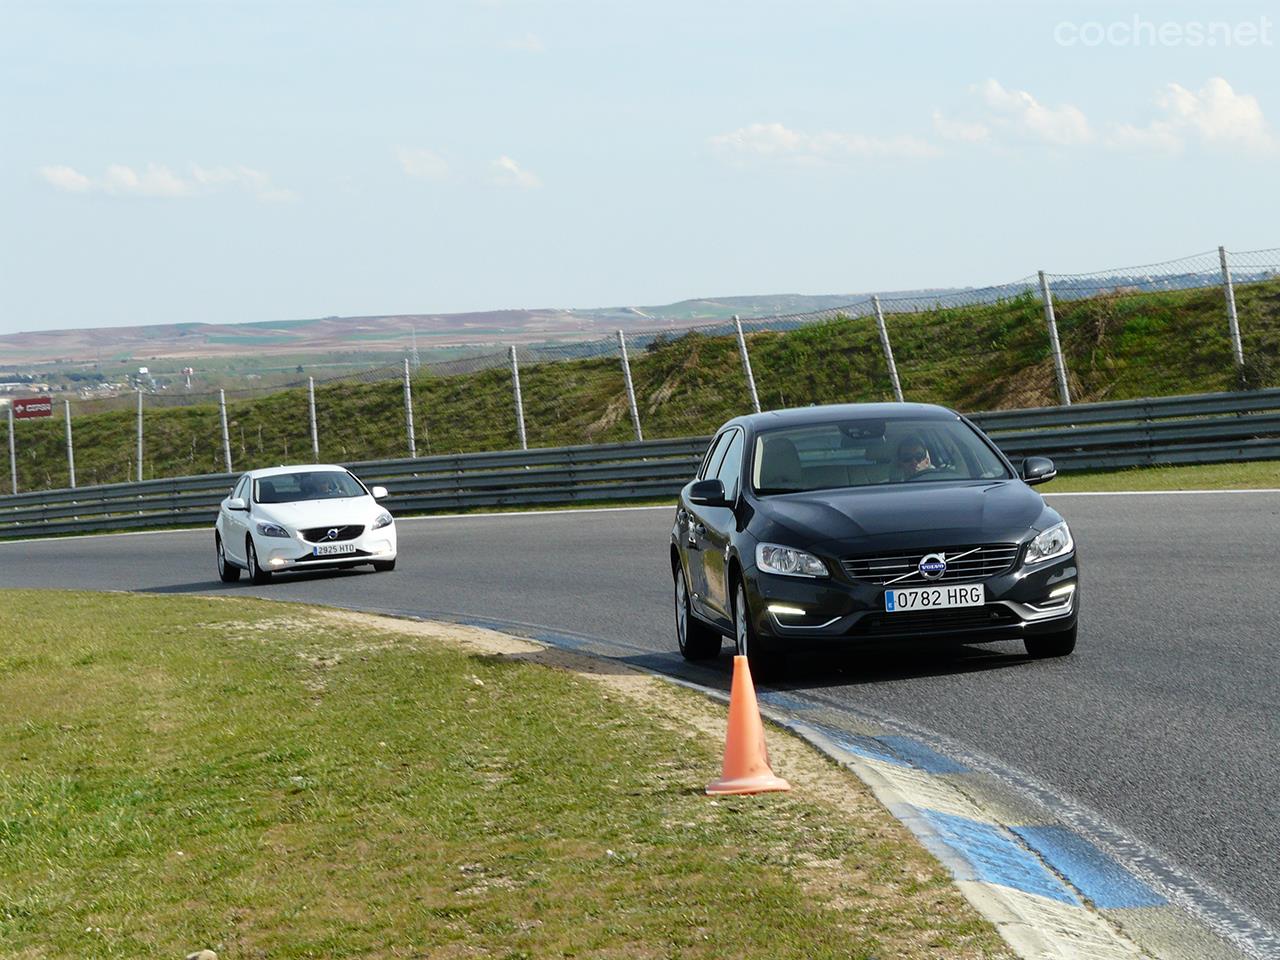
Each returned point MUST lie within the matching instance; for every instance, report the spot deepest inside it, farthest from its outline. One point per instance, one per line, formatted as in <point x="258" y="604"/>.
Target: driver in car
<point x="913" y="458"/>
<point x="319" y="487"/>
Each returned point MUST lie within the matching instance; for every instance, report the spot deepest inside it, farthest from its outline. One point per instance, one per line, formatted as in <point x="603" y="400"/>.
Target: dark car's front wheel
<point x="765" y="663"/>
<point x="1051" y="645"/>
<point x="697" y="641"/>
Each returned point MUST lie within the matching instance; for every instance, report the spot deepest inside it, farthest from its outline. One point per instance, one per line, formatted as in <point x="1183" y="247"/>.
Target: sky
<point x="236" y="162"/>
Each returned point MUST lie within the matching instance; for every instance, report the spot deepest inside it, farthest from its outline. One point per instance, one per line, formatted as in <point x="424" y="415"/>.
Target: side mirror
<point x="378" y="492"/>
<point x="1038" y="470"/>
<point x="236" y="503"/>
<point x="707" y="493"/>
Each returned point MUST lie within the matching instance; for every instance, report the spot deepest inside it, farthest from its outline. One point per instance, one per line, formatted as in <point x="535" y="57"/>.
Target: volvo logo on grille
<point x="333" y="535"/>
<point x="932" y="566"/>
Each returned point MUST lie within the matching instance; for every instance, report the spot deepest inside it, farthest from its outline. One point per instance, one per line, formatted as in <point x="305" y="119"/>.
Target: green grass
<point x="972" y="358"/>
<point x="1213" y="476"/>
<point x="269" y="780"/>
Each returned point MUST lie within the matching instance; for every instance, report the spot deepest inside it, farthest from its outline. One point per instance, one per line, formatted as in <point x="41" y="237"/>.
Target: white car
<point x="302" y="518"/>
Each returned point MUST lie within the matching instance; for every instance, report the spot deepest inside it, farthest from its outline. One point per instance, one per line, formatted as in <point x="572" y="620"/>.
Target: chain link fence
<point x="1207" y="322"/>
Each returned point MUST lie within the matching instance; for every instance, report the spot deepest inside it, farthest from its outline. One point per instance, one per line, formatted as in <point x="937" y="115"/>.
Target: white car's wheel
<point x="256" y="573"/>
<point x="228" y="572"/>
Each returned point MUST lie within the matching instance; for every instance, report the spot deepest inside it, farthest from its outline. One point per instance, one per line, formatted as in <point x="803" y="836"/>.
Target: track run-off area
<point x="1158" y="738"/>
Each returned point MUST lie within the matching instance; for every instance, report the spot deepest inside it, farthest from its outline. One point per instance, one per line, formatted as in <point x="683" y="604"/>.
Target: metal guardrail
<point x="1206" y="428"/>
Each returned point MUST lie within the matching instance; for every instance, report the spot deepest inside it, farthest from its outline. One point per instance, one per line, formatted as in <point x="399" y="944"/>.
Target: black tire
<point x="256" y="573"/>
<point x="228" y="572"/>
<point x="1051" y="644"/>
<point x="384" y="566"/>
<point x="696" y="640"/>
<point x="765" y="664"/>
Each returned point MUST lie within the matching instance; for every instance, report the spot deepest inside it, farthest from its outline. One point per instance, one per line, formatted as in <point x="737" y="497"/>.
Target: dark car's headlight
<point x="1054" y="542"/>
<point x="384" y="520"/>
<point x="273" y="530"/>
<point x="788" y="561"/>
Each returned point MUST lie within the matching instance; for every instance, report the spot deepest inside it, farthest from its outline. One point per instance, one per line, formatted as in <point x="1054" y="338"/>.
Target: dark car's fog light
<point x="782" y="610"/>
<point x="1057" y="598"/>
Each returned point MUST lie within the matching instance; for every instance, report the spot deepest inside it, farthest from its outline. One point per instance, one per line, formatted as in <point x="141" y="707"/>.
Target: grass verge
<point x="1211" y="476"/>
<point x="178" y="773"/>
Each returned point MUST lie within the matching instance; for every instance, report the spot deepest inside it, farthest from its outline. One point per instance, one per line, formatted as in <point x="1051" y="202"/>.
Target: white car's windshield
<point x="856" y="453"/>
<point x="306" y="485"/>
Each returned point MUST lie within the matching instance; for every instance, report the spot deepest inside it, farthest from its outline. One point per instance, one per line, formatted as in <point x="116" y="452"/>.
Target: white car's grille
<point x="332" y="534"/>
<point x="969" y="563"/>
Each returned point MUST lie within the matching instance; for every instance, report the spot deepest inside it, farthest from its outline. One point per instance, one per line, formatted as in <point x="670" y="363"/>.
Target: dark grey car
<point x="822" y="527"/>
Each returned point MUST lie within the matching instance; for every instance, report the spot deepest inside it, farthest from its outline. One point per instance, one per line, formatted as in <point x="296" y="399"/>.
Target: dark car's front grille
<point x="936" y="621"/>
<point x="321" y="534"/>
<point x="974" y="562"/>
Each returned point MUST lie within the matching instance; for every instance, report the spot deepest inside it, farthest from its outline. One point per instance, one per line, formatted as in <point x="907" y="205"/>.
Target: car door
<point x="691" y="529"/>
<point x="719" y="524"/>
<point x="234" y="523"/>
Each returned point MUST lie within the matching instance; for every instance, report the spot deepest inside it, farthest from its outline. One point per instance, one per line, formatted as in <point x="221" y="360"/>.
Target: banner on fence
<point x="28" y="408"/>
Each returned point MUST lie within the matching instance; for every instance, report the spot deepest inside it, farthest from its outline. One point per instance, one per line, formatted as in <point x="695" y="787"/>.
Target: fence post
<point x="1233" y="321"/>
<point x="1060" y="368"/>
<point x="71" y="448"/>
<point x="515" y="386"/>
<point x="13" y="453"/>
<point x="140" y="476"/>
<point x="311" y="415"/>
<point x="746" y="364"/>
<point x="888" y="350"/>
<point x="226" y="434"/>
<point x="631" y="392"/>
<point x="408" y="412"/>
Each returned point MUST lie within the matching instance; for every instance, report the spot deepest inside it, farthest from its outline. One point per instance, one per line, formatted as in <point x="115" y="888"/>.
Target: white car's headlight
<point x="1054" y="542"/>
<point x="384" y="520"/>
<point x="788" y="562"/>
<point x="273" y="530"/>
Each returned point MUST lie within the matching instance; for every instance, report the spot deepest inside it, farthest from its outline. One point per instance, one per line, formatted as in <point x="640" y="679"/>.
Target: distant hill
<point x="389" y="334"/>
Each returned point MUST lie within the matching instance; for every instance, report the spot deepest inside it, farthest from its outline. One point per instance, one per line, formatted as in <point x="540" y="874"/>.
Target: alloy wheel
<point x="740" y="620"/>
<point x="682" y="613"/>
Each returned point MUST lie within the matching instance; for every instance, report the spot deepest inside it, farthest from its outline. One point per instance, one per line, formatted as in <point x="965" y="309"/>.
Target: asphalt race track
<point x="1164" y="723"/>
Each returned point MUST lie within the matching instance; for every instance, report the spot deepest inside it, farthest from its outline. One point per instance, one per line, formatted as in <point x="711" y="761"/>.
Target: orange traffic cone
<point x="746" y="763"/>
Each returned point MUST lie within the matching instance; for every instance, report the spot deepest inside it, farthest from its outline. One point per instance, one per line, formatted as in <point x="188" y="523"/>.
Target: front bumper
<point x="837" y="610"/>
<point x="297" y="554"/>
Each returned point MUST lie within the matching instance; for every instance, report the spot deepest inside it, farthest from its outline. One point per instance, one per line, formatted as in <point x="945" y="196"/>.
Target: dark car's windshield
<point x="858" y="453"/>
<point x="306" y="485"/>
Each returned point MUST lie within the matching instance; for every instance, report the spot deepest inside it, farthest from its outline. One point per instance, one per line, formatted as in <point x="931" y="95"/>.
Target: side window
<point x="730" y="471"/>
<point x="241" y="488"/>
<point x="712" y="460"/>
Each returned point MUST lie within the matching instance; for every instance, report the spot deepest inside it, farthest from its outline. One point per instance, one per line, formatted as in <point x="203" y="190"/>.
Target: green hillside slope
<point x="971" y="358"/>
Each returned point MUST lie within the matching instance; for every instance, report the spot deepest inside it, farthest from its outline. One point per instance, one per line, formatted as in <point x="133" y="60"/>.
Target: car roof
<point x="839" y="412"/>
<point x="299" y="468"/>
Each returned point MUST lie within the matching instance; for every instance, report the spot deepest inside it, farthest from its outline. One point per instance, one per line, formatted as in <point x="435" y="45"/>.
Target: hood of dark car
<point x="901" y="515"/>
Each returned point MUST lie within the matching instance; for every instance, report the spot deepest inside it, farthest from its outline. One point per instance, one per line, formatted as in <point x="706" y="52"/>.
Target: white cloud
<point x="422" y="163"/>
<point x="529" y="43"/>
<point x="1214" y="115"/>
<point x="66" y="178"/>
<point x="509" y="173"/>
<point x="157" y="180"/>
<point x="1065" y="125"/>
<point x="773" y="140"/>
<point x="253" y="182"/>
<point x="960" y="130"/>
